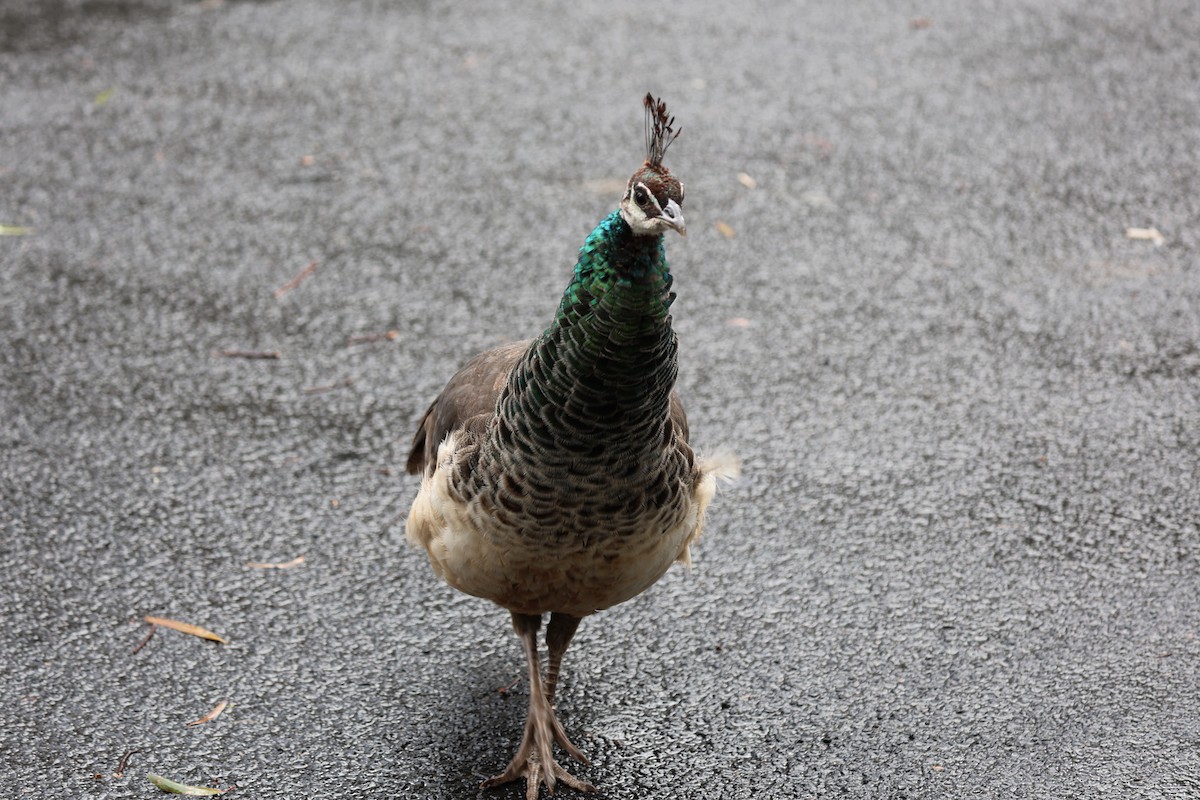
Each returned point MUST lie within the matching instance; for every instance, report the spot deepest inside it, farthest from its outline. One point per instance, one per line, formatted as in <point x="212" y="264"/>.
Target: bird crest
<point x="660" y="130"/>
<point x="653" y="197"/>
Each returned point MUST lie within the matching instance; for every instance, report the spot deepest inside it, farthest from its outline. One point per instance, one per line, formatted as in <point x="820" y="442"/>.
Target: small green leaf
<point x="105" y="96"/>
<point x="14" y="230"/>
<point x="173" y="787"/>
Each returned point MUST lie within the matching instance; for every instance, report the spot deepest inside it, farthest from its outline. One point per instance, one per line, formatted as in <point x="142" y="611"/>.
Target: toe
<point x="532" y="783"/>
<point x="578" y="784"/>
<point x="560" y="736"/>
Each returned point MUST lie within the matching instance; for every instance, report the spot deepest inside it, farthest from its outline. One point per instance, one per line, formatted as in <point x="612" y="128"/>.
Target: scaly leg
<point x="534" y="760"/>
<point x="558" y="636"/>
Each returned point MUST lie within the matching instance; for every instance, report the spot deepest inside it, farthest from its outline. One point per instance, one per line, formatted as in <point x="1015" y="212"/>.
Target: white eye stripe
<point x="642" y="194"/>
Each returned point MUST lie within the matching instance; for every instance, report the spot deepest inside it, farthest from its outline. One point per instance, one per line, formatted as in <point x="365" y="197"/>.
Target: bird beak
<point x="673" y="216"/>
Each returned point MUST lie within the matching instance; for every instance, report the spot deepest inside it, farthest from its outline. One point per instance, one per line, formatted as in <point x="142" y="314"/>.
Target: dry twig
<point x="123" y="764"/>
<point x="145" y="640"/>
<point x="251" y="354"/>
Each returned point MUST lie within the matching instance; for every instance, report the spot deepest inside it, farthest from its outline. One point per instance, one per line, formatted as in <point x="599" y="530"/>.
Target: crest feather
<point x="660" y="130"/>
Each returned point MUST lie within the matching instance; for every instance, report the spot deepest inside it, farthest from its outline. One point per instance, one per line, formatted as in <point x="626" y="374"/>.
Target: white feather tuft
<point x="722" y="465"/>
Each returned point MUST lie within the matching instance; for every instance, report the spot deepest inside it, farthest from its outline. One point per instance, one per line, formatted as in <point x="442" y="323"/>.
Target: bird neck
<point x="613" y="259"/>
<point x="598" y="381"/>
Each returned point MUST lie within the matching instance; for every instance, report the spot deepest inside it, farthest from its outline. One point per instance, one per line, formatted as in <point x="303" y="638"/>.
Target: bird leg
<point x="534" y="760"/>
<point x="558" y="636"/>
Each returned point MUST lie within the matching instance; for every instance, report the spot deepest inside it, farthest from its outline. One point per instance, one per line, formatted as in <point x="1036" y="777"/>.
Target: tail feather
<point x="722" y="466"/>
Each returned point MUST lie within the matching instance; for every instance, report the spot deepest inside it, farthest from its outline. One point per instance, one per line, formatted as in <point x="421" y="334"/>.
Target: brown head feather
<point x="660" y="130"/>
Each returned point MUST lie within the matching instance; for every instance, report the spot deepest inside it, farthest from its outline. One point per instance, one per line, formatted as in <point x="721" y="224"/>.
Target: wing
<point x="472" y="391"/>
<point x="678" y="417"/>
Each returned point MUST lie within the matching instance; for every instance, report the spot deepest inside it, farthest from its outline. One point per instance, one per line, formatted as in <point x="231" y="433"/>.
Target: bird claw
<point x="535" y="774"/>
<point x="535" y="763"/>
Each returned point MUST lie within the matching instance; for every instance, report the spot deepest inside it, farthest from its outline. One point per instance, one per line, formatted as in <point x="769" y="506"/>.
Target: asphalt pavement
<point x="940" y="293"/>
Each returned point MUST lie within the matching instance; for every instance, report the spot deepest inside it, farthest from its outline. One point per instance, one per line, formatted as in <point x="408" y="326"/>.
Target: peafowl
<point x="556" y="473"/>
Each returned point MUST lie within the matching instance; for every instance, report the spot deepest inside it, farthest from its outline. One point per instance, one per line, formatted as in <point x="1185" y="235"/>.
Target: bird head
<point x="653" y="201"/>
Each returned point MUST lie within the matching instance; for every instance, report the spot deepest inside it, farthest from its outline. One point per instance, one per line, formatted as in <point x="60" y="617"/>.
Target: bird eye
<point x="640" y="195"/>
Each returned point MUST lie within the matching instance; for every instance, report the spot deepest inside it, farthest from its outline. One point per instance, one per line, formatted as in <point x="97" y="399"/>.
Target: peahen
<point x="556" y="473"/>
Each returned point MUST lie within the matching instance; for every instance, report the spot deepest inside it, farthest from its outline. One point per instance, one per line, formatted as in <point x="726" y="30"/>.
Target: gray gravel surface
<point x="962" y="561"/>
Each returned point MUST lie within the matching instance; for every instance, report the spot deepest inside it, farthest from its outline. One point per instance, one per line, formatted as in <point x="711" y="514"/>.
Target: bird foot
<point x="536" y="774"/>
<point x="534" y="760"/>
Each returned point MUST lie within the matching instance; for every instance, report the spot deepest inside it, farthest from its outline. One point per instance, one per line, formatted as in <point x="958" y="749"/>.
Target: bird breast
<point x="570" y="542"/>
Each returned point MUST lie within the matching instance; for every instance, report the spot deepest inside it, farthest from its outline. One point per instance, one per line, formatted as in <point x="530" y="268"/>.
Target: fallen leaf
<point x="919" y="23"/>
<point x="738" y="322"/>
<point x="301" y="276"/>
<point x="174" y="787"/>
<point x="186" y="627"/>
<point x="14" y="230"/>
<point x="725" y="230"/>
<point x="936" y="767"/>
<point x="295" y="562"/>
<point x="746" y="180"/>
<point x="1145" y="234"/>
<point x="211" y="715"/>
<point x="307" y="161"/>
<point x="105" y="96"/>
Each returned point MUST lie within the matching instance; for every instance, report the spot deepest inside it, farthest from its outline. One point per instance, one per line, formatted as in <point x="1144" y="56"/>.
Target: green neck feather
<point x="598" y="381"/>
<point x="613" y="259"/>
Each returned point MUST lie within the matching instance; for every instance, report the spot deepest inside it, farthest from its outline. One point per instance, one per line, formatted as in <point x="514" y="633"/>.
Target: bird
<point x="556" y="474"/>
